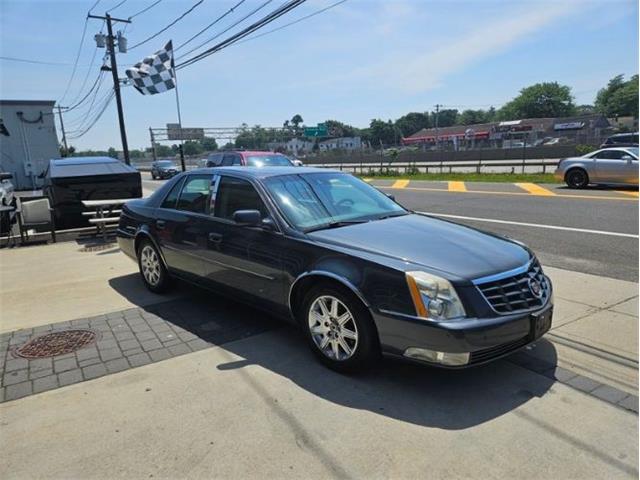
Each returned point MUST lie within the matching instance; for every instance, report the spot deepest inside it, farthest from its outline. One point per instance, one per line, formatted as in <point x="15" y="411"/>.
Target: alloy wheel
<point x="333" y="328"/>
<point x="150" y="264"/>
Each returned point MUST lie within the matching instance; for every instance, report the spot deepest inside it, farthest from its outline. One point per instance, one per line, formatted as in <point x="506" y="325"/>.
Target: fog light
<point x="443" y="358"/>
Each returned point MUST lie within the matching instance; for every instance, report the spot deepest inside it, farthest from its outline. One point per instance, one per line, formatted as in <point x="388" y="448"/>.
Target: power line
<point x="318" y="12"/>
<point x="38" y="62"/>
<point x="212" y="23"/>
<point x="145" y="9"/>
<point x="86" y="77"/>
<point x="243" y="33"/>
<point x="75" y="63"/>
<point x="168" y="26"/>
<point x="252" y="12"/>
<point x="113" y="8"/>
<point x="97" y="117"/>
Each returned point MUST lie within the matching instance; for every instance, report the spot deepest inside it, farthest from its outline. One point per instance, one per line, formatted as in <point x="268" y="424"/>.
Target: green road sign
<point x="318" y="131"/>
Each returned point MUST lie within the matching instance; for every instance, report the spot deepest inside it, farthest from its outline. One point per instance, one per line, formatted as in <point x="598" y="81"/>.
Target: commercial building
<point x="28" y="140"/>
<point x="341" y="143"/>
<point x="583" y="129"/>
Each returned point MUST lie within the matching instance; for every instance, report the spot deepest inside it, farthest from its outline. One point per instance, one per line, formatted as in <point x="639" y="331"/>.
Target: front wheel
<point x="577" y="178"/>
<point x="339" y="329"/>
<point x="154" y="274"/>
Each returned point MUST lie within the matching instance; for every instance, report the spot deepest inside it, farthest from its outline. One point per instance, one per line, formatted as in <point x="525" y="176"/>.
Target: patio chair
<point x="35" y="212"/>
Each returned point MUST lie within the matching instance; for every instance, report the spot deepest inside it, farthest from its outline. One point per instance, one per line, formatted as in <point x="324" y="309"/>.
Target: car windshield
<point x="268" y="161"/>
<point x="634" y="150"/>
<point x="316" y="201"/>
<point x="166" y="163"/>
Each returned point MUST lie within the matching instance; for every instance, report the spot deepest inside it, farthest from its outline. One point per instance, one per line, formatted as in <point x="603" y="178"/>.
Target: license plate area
<point x="540" y="323"/>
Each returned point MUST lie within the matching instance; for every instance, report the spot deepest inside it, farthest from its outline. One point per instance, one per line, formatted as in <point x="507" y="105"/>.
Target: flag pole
<point x="181" y="147"/>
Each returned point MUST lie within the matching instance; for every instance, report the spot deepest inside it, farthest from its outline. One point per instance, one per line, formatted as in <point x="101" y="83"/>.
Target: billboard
<point x="174" y="132"/>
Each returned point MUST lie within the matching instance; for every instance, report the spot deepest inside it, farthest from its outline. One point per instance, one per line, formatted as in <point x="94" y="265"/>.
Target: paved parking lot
<point x="193" y="385"/>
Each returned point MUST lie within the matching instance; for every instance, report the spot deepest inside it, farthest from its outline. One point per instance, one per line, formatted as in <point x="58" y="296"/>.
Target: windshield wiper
<point x="337" y="224"/>
<point x="391" y="215"/>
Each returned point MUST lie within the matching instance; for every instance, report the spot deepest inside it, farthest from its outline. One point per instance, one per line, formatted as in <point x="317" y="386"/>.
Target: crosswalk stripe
<point x="534" y="189"/>
<point x="400" y="184"/>
<point x="457" y="187"/>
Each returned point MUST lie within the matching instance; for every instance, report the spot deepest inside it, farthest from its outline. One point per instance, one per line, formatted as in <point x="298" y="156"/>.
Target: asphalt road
<point x="603" y="213"/>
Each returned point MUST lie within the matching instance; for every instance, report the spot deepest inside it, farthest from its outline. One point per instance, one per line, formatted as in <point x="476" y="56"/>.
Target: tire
<point x="577" y="178"/>
<point x="153" y="176"/>
<point x="327" y="336"/>
<point x="152" y="270"/>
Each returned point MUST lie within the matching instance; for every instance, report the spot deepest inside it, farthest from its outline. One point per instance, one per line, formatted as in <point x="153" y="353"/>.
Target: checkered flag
<point x="155" y="73"/>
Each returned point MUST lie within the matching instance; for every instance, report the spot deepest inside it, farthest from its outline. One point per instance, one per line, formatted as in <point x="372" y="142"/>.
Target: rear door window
<point x="195" y="194"/>
<point x="231" y="159"/>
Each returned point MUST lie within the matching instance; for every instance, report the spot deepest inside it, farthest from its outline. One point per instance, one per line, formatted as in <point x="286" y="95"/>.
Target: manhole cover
<point x="56" y="343"/>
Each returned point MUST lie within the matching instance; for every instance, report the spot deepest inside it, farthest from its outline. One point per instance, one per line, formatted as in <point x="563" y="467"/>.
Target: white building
<point x="342" y="143"/>
<point x="297" y="146"/>
<point x="28" y="140"/>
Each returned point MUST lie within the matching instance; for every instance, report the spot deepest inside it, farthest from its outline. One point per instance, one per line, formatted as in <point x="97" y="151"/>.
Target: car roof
<point x="264" y="172"/>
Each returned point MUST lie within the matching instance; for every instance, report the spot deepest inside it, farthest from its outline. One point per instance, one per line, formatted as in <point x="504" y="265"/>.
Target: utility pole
<point x="153" y="144"/>
<point x="116" y="81"/>
<point x="437" y="134"/>
<point x="64" y="135"/>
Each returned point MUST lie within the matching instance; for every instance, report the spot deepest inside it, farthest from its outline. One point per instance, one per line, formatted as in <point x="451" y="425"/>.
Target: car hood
<point x="422" y="241"/>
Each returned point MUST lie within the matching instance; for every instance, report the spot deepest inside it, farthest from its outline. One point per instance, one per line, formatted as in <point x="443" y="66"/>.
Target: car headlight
<point x="434" y="297"/>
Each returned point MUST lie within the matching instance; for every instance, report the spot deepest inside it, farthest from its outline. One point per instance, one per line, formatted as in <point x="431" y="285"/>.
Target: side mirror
<point x="247" y="218"/>
<point x="391" y="196"/>
<point x="628" y="158"/>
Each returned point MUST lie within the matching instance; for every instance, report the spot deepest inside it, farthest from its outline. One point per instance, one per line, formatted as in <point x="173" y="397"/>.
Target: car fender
<point x="326" y="274"/>
<point x="144" y="233"/>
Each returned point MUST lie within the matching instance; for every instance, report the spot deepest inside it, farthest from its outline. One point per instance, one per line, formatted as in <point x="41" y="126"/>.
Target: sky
<point x="360" y="60"/>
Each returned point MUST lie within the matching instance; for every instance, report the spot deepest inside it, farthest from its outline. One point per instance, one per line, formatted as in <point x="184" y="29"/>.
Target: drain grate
<point x="56" y="343"/>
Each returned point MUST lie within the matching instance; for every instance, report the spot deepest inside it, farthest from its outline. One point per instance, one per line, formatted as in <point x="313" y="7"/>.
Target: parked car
<point x="6" y="189"/>
<point x="621" y="140"/>
<point x="360" y="274"/>
<point x="164" y="169"/>
<point x="248" y="159"/>
<point x="606" y="166"/>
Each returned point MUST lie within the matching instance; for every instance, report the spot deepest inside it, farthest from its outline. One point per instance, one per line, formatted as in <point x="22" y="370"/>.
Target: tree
<point x="585" y="109"/>
<point x="542" y="100"/>
<point x="413" y="122"/>
<point x="446" y="117"/>
<point x="67" y="152"/>
<point x="209" y="144"/>
<point x="296" y="120"/>
<point x="192" y="147"/>
<point x="339" y="129"/>
<point x="619" y="98"/>
<point x="112" y="152"/>
<point x="136" y="153"/>
<point x="381" y="131"/>
<point x="472" y="117"/>
<point x="163" y="150"/>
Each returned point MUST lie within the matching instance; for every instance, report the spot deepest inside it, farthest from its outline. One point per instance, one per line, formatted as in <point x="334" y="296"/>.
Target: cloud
<point x="425" y="70"/>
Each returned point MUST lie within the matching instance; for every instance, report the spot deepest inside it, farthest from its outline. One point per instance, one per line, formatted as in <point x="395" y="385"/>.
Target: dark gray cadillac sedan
<point x="361" y="275"/>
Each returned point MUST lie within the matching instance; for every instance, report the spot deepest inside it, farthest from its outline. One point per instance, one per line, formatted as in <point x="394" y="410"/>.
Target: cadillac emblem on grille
<point x="535" y="288"/>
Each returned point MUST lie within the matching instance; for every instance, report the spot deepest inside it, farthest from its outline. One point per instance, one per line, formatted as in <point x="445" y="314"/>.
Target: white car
<point x="606" y="166"/>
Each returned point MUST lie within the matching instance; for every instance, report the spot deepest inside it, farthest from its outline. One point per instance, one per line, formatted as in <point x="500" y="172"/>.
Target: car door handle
<point x="215" y="238"/>
<point x="160" y="224"/>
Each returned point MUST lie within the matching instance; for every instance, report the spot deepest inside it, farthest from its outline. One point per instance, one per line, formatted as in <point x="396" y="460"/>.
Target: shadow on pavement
<point x="447" y="399"/>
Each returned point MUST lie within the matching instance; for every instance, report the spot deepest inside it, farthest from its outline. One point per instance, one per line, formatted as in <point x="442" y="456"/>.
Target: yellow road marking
<point x="457" y="187"/>
<point x="628" y="192"/>
<point x="534" y="189"/>
<point x="488" y="192"/>
<point x="400" y="184"/>
<point x="367" y="180"/>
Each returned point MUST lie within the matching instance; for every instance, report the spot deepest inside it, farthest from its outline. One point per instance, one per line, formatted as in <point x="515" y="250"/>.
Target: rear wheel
<point x="577" y="178"/>
<point x="153" y="176"/>
<point x="154" y="274"/>
<point x="339" y="329"/>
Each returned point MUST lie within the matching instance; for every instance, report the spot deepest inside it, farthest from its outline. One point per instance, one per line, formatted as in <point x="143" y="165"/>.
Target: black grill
<point x="487" y="354"/>
<point x="515" y="293"/>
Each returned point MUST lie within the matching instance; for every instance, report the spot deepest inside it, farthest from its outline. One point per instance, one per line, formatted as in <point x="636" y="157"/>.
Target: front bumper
<point x="460" y="343"/>
<point x="167" y="173"/>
